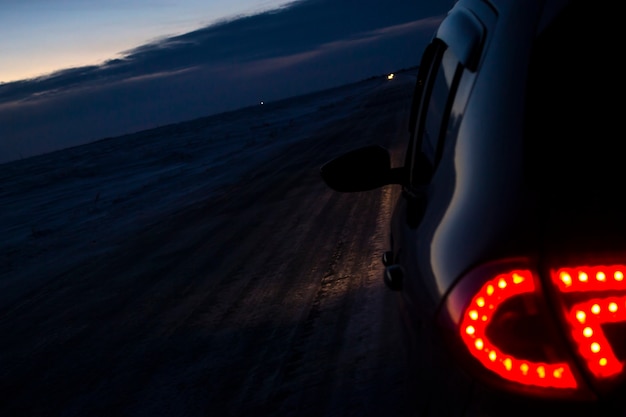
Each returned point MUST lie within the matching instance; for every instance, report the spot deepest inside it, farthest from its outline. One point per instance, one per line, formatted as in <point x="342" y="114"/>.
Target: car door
<point x="444" y="83"/>
<point x="433" y="98"/>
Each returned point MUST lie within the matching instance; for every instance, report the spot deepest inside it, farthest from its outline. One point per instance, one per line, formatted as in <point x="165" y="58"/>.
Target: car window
<point x="433" y="113"/>
<point x="429" y="58"/>
<point x="438" y="106"/>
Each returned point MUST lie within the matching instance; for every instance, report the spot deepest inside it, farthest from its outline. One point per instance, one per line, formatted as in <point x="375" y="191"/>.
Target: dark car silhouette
<point x="508" y="242"/>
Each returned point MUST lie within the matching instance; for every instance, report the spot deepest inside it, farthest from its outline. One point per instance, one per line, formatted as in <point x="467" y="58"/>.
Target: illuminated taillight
<point x="558" y="335"/>
<point x="479" y="315"/>
<point x="589" y="279"/>
<point x="592" y="297"/>
<point x="508" y="333"/>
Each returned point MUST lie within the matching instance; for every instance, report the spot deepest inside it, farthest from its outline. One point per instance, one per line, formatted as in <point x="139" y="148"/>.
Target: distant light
<point x="262" y="103"/>
<point x="390" y="76"/>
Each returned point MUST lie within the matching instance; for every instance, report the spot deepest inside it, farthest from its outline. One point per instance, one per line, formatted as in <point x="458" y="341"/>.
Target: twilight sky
<point x="81" y="70"/>
<point x="41" y="36"/>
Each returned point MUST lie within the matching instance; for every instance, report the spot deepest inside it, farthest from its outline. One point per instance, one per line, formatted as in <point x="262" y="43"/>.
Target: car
<point x="508" y="240"/>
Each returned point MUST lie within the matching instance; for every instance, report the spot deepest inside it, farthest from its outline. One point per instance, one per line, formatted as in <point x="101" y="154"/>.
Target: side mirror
<point x="362" y="169"/>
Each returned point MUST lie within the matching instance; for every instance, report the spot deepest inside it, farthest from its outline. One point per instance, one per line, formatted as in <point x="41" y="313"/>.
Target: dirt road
<point x="265" y="300"/>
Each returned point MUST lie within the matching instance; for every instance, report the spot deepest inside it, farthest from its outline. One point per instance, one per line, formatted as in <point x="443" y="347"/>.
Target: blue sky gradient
<point x="42" y="36"/>
<point x="307" y="46"/>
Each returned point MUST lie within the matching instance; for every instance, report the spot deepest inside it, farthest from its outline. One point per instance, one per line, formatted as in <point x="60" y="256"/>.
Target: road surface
<point x="265" y="299"/>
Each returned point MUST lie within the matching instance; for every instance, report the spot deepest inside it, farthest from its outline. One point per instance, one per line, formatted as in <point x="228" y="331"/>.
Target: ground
<point x="205" y="269"/>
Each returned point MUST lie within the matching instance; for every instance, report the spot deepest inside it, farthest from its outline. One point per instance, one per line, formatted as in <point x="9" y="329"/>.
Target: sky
<point x="41" y="36"/>
<point x="74" y="71"/>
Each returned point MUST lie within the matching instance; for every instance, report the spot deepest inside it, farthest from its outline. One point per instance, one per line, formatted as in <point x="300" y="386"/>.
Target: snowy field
<point x="204" y="268"/>
<point x="65" y="206"/>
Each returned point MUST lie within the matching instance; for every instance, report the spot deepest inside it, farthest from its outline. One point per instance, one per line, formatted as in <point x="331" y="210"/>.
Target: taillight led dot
<point x="493" y="356"/>
<point x="619" y="275"/>
<point x="595" y="347"/>
<point x="603" y="362"/>
<point x="541" y="371"/>
<point x="473" y="315"/>
<point x="502" y="283"/>
<point x="470" y="330"/>
<point x="484" y="318"/>
<point x="595" y="309"/>
<point x="601" y="276"/>
<point x="479" y="344"/>
<point x="517" y="279"/>
<point x="480" y="302"/>
<point x="524" y="368"/>
<point x="566" y="278"/>
<point x="583" y="277"/>
<point x="581" y="316"/>
<point x="613" y="307"/>
<point x="508" y="364"/>
<point x="490" y="289"/>
<point x="587" y="332"/>
<point x="558" y="373"/>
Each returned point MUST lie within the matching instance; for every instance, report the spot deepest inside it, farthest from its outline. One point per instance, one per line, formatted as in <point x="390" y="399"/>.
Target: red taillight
<point x="556" y="337"/>
<point x="592" y="296"/>
<point x="590" y="278"/>
<point x="479" y="315"/>
<point x="585" y="320"/>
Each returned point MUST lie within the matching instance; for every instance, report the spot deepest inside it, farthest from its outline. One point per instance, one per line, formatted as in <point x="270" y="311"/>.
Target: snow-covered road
<point x="204" y="269"/>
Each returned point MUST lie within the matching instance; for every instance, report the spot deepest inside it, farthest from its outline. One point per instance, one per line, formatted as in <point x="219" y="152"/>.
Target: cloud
<point x="309" y="45"/>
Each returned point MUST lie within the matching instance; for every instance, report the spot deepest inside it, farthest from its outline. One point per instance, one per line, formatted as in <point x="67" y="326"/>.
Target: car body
<point x="508" y="242"/>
